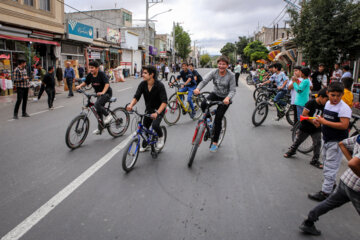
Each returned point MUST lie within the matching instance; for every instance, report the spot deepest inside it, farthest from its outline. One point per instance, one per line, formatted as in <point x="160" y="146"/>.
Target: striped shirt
<point x="349" y="178"/>
<point x="19" y="78"/>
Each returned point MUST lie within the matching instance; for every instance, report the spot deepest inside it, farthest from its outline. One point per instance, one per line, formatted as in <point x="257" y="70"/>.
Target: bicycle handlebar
<point x="136" y="112"/>
<point x="89" y="95"/>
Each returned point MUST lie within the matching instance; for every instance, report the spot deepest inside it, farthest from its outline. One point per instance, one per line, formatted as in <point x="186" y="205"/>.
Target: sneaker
<point x="289" y="153"/>
<point x="15" y="117"/>
<point x="25" y="115"/>
<point x="318" y="196"/>
<point x="213" y="148"/>
<point x="160" y="143"/>
<point x="35" y="99"/>
<point x="52" y="108"/>
<point x="97" y="132"/>
<point x="193" y="113"/>
<point x="317" y="164"/>
<point x="108" y="119"/>
<point x="144" y="149"/>
<point x="309" y="228"/>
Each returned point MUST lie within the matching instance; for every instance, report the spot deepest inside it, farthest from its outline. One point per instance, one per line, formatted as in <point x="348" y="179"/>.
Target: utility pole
<point x="146" y="34"/>
<point x="173" y="49"/>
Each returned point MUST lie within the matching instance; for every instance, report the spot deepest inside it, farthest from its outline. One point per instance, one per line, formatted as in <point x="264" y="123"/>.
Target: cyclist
<point x="101" y="85"/>
<point x="198" y="78"/>
<point x="224" y="90"/>
<point x="155" y="102"/>
<point x="188" y="86"/>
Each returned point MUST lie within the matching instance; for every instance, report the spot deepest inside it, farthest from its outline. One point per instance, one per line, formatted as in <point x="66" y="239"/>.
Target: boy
<point x="319" y="78"/>
<point x="302" y="89"/>
<point x="297" y="76"/>
<point x="335" y="123"/>
<point x="348" y="190"/>
<point x="310" y="127"/>
<point x="49" y="82"/>
<point x="155" y="102"/>
<point x="198" y="78"/>
<point x="348" y="96"/>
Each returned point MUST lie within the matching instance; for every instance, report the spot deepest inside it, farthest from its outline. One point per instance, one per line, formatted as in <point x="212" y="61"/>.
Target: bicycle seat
<point x="113" y="99"/>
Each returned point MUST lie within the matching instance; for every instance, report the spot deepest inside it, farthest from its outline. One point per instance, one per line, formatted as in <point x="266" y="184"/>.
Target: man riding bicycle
<point x="155" y="102"/>
<point x="224" y="90"/>
<point x="101" y="85"/>
<point x="188" y="86"/>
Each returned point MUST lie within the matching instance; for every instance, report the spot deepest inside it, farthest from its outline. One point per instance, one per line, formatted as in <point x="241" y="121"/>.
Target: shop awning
<point x="273" y="54"/>
<point x="29" y="40"/>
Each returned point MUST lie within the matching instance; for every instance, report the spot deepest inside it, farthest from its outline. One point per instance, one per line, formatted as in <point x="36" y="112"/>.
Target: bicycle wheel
<point x="77" y="131"/>
<point x="260" y="113"/>
<point x="261" y="98"/>
<point x="173" y="112"/>
<point x="130" y="154"/>
<point x="223" y="130"/>
<point x="195" y="145"/>
<point x="249" y="80"/>
<point x="307" y="145"/>
<point x="120" y="123"/>
<point x="290" y="115"/>
<point x="257" y="92"/>
<point x="163" y="128"/>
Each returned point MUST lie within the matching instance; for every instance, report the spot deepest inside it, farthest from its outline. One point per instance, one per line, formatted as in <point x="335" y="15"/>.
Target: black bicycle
<point x="78" y="128"/>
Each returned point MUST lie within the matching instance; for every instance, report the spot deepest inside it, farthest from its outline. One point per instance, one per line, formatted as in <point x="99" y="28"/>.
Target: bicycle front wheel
<point x="77" y="131"/>
<point x="260" y="113"/>
<point x="199" y="133"/>
<point x="173" y="112"/>
<point x="306" y="146"/>
<point x="261" y="98"/>
<point x="164" y="131"/>
<point x="120" y="122"/>
<point x="130" y="154"/>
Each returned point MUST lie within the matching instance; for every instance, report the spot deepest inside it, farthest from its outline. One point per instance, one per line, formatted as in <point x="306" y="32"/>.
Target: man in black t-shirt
<point x="311" y="128"/>
<point x="101" y="85"/>
<point x="49" y="83"/>
<point x="198" y="78"/>
<point x="155" y="101"/>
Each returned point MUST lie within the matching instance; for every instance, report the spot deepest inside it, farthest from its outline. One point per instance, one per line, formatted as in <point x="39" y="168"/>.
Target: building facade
<point x="270" y="35"/>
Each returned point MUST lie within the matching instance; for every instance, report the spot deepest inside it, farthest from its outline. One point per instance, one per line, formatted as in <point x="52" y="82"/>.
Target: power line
<point x="281" y="13"/>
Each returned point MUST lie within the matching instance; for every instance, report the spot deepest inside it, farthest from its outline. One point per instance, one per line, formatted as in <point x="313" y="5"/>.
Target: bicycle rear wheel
<point x="306" y="146"/>
<point x="199" y="133"/>
<point x="260" y="113"/>
<point x="77" y="131"/>
<point x="130" y="154"/>
<point x="120" y="123"/>
<point x="173" y="112"/>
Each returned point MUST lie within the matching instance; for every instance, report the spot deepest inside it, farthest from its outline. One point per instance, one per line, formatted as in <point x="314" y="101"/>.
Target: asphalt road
<point x="246" y="190"/>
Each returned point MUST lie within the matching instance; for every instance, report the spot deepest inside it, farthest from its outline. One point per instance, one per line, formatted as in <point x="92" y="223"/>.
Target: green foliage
<point x="29" y="53"/>
<point x="205" y="59"/>
<point x="326" y="30"/>
<point x="240" y="46"/>
<point x="182" y="42"/>
<point x="256" y="51"/>
<point x="228" y="48"/>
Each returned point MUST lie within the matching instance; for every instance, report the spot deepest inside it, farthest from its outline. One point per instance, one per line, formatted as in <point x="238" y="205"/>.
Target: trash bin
<point x="126" y="72"/>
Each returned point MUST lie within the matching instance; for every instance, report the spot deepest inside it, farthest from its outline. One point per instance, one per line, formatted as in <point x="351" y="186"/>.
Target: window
<point x="2" y="44"/>
<point x="283" y="35"/>
<point x="126" y="17"/>
<point x="29" y="2"/>
<point x="45" y="5"/>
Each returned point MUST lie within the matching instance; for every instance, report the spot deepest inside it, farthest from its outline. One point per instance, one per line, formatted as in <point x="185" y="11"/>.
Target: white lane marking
<point x="32" y="114"/>
<point x="124" y="89"/>
<point x="50" y="205"/>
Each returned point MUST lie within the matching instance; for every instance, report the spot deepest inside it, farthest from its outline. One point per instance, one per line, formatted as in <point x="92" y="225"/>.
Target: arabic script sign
<point x="80" y="32"/>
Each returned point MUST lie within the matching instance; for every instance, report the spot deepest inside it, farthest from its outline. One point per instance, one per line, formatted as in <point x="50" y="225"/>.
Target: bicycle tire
<point x="118" y="121"/>
<point x="81" y="141"/>
<point x="303" y="148"/>
<point x="223" y="129"/>
<point x="196" y="143"/>
<point x="249" y="80"/>
<point x="263" y="97"/>
<point x="355" y="134"/>
<point x="290" y="115"/>
<point x="163" y="128"/>
<point x="172" y="107"/>
<point x="257" y="92"/>
<point x="259" y="109"/>
<point x="127" y="168"/>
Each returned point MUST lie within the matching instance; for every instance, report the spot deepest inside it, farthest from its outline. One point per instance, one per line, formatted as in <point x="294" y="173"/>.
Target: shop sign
<point x="80" y="32"/>
<point x="94" y="55"/>
<point x="153" y="50"/>
<point x="114" y="50"/>
<point x="5" y="56"/>
<point x="162" y="54"/>
<point x="113" y="36"/>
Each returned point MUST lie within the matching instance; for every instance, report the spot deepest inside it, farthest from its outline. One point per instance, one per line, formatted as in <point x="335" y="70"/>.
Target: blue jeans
<point x="190" y="91"/>
<point x="299" y="111"/>
<point x="279" y="96"/>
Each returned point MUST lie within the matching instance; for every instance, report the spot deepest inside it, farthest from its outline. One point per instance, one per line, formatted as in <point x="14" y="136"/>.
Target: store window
<point x="2" y="44"/>
<point x="45" y="5"/>
<point x="10" y="45"/>
<point x="29" y="2"/>
<point x="126" y="17"/>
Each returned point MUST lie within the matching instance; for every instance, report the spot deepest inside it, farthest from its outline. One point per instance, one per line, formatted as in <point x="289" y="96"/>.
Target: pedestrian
<point x="311" y="128"/>
<point x="49" y="82"/>
<point x="297" y="76"/>
<point x="81" y="71"/>
<point x="198" y="78"/>
<point x="135" y="69"/>
<point x="101" y="68"/>
<point x="22" y="84"/>
<point x="335" y="123"/>
<point x="302" y="88"/>
<point x="69" y="77"/>
<point x="348" y="96"/>
<point x="347" y="191"/>
<point x="59" y="75"/>
<point x="163" y="70"/>
<point x="319" y="78"/>
<point x="346" y="72"/>
<point x="167" y="71"/>
<point x="40" y="73"/>
<point x="337" y="73"/>
<point x="237" y="71"/>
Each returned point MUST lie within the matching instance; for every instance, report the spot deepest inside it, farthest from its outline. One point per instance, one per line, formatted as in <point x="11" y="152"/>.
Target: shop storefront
<point x="115" y="55"/>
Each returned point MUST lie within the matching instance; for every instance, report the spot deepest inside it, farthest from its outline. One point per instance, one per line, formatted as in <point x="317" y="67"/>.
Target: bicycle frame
<point x="185" y="108"/>
<point x="150" y="132"/>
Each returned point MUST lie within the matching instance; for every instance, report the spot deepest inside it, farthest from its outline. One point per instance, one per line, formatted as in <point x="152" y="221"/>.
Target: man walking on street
<point x="59" y="75"/>
<point x="41" y="74"/>
<point x="69" y="77"/>
<point x="49" y="82"/>
<point x="21" y="81"/>
<point x="237" y="71"/>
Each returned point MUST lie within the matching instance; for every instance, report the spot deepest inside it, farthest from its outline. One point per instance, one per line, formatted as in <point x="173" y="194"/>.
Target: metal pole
<point x="173" y="52"/>
<point x="146" y="34"/>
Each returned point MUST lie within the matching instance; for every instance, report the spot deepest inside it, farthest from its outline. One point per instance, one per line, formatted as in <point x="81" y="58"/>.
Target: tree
<point x="240" y="46"/>
<point x="182" y="42"/>
<point x="256" y="51"/>
<point x="228" y="48"/>
<point x="326" y="30"/>
<point x="205" y="59"/>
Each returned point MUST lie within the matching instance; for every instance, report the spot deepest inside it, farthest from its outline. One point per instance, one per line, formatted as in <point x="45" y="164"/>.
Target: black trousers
<point x="220" y="112"/>
<point x="22" y="96"/>
<point x="166" y="76"/>
<point x="69" y="82"/>
<point x="237" y="75"/>
<point x="51" y="95"/>
<point x="42" y="89"/>
<point x="100" y="104"/>
<point x="147" y="122"/>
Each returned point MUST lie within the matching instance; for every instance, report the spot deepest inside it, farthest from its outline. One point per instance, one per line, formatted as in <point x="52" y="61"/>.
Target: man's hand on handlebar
<point x="129" y="108"/>
<point x="227" y="101"/>
<point x="99" y="94"/>
<point x="196" y="91"/>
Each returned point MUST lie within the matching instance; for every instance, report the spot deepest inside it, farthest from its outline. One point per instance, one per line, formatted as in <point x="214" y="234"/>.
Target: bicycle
<point x="81" y="123"/>
<point x="262" y="111"/>
<point x="149" y="137"/>
<point x="204" y="129"/>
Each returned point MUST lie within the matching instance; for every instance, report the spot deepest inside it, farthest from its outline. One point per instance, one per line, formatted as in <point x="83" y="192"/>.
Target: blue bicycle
<point x="149" y="137"/>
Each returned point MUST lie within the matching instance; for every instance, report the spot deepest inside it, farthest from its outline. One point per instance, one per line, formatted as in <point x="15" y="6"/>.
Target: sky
<point x="211" y="23"/>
